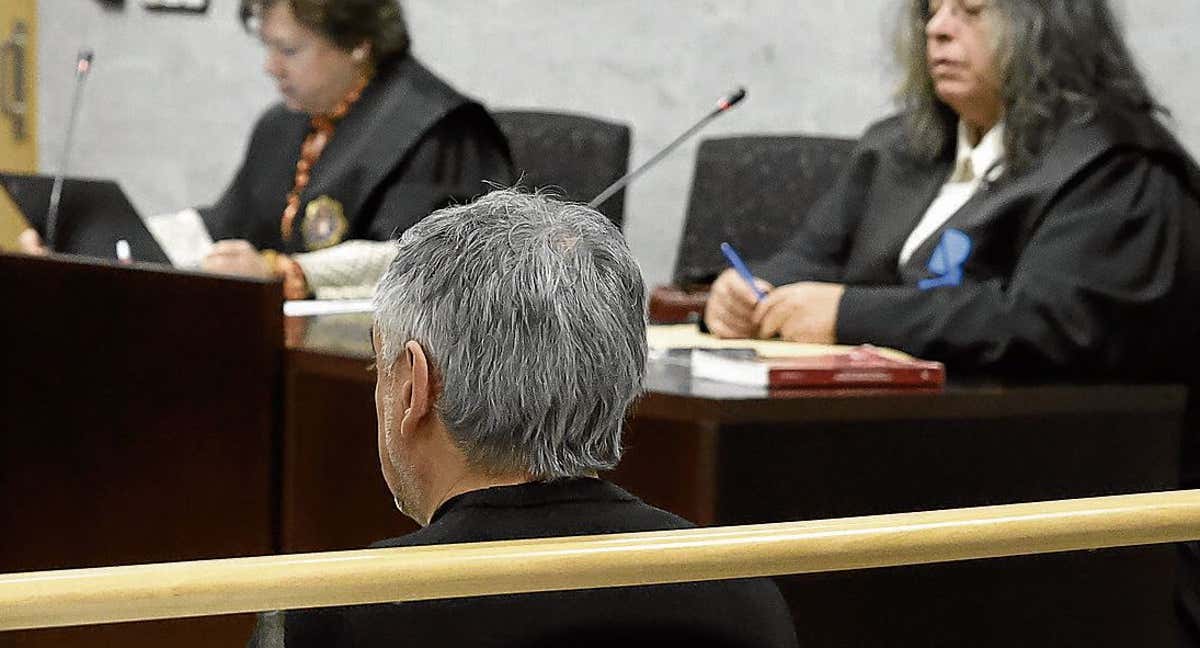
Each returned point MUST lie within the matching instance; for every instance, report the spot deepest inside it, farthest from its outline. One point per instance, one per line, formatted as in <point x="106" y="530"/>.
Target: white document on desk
<point x="688" y="336"/>
<point x="182" y="236"/>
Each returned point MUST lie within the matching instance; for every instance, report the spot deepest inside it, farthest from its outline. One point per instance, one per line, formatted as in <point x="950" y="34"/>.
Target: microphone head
<point x="83" y="62"/>
<point x="732" y="99"/>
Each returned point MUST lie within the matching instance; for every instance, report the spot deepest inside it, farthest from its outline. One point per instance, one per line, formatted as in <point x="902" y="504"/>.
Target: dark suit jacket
<point x="1088" y="264"/>
<point x="411" y="144"/>
<point x="721" y="613"/>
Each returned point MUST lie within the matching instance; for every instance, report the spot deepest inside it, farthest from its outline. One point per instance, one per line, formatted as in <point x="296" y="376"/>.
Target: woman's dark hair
<point x="346" y="23"/>
<point x="1060" y="61"/>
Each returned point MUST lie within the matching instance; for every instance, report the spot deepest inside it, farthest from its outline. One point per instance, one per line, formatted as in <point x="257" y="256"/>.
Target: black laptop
<point x="92" y="216"/>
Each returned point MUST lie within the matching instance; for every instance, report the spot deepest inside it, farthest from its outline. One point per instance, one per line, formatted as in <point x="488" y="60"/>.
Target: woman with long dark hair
<point x="1025" y="213"/>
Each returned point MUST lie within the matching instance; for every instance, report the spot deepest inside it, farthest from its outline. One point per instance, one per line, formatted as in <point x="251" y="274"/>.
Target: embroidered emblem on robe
<point x="324" y="223"/>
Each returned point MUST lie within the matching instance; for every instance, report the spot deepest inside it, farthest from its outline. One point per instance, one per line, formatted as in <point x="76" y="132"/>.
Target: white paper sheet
<point x="182" y="236"/>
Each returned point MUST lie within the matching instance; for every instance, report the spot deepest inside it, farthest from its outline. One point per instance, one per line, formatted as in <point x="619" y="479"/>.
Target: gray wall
<point x="172" y="97"/>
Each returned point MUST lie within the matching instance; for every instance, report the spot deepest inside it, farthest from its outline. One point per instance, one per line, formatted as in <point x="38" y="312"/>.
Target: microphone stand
<point x="723" y="105"/>
<point x="83" y="65"/>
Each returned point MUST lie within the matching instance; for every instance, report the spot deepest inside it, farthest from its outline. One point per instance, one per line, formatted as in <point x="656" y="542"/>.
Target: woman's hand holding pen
<point x="731" y="303"/>
<point x="799" y="312"/>
<point x="741" y="305"/>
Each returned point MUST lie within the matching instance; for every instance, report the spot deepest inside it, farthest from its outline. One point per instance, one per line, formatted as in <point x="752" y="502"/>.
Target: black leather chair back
<point x="577" y="155"/>
<point x="752" y="191"/>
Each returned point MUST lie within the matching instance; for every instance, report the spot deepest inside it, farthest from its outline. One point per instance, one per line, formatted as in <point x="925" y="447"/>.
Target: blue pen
<point x="740" y="266"/>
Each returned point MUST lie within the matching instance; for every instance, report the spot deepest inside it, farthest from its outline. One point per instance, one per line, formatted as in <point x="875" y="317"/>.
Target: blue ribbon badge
<point x="947" y="260"/>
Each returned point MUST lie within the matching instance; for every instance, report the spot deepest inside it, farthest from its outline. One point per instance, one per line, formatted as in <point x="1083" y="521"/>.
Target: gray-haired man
<point x="510" y="340"/>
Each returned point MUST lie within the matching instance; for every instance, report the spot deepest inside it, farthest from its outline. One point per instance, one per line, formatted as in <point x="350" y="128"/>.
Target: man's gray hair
<point x="532" y="312"/>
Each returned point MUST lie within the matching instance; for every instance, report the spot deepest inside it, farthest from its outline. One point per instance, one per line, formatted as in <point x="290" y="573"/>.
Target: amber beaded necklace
<point x="322" y="131"/>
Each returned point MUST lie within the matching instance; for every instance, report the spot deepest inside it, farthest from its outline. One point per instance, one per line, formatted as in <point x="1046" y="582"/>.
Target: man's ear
<point x="418" y="390"/>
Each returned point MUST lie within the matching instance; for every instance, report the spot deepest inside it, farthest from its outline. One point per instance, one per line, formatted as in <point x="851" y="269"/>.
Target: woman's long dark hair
<point x="1060" y="61"/>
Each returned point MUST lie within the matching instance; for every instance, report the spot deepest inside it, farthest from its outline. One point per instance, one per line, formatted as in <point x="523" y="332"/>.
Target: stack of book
<point x="776" y="364"/>
<point x="863" y="366"/>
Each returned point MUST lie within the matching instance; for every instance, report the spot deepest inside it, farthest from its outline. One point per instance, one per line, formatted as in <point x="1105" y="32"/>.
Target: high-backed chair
<point x="578" y="155"/>
<point x="752" y="191"/>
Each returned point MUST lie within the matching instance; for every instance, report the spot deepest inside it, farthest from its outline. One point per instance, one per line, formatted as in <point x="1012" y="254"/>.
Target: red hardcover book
<point x="863" y="366"/>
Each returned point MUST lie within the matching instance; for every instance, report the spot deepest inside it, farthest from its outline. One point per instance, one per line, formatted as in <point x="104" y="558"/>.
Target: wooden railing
<point x="142" y="592"/>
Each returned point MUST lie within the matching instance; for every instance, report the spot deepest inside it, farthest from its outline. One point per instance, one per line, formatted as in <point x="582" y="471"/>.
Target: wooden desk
<point x="861" y="452"/>
<point x="721" y="454"/>
<point x="138" y="424"/>
<point x="725" y="455"/>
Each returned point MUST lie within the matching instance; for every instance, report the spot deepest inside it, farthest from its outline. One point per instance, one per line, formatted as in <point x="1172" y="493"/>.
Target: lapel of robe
<point x="1001" y="216"/>
<point x="391" y="117"/>
<point x="975" y="217"/>
<point x="897" y="204"/>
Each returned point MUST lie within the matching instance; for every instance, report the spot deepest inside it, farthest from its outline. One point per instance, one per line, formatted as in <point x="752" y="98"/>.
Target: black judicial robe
<point x="411" y="144"/>
<point x="1087" y="264"/>
<point x="748" y="612"/>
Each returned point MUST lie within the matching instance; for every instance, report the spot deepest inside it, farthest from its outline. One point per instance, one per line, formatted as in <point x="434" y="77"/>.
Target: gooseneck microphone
<point x="83" y="65"/>
<point x="723" y="105"/>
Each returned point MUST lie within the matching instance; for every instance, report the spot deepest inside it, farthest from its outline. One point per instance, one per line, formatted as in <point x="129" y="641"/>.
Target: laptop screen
<point x="92" y="216"/>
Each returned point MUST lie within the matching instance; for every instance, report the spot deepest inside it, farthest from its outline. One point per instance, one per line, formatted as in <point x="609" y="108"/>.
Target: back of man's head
<point x="532" y="313"/>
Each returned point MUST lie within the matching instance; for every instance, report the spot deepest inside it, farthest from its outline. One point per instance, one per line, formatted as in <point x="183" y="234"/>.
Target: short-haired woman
<point x="366" y="142"/>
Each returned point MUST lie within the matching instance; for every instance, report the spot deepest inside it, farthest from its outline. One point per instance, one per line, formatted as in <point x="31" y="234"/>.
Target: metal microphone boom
<point x="83" y="65"/>
<point x="724" y="104"/>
